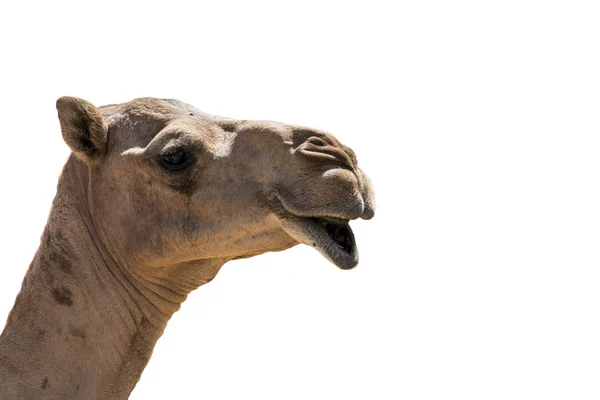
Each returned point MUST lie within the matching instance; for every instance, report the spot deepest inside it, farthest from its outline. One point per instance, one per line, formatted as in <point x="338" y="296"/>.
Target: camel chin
<point x="332" y="237"/>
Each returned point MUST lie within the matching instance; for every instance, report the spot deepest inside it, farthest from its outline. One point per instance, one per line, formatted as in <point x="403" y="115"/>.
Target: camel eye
<point x="175" y="160"/>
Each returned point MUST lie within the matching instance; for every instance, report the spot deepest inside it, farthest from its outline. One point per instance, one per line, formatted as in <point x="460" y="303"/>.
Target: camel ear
<point x="83" y="127"/>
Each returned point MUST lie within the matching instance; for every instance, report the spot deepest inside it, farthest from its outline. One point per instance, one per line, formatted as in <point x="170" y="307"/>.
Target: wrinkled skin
<point x="155" y="198"/>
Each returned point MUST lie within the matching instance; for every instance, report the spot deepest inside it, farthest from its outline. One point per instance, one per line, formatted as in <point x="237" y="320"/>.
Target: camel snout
<point x="368" y="212"/>
<point x="368" y="195"/>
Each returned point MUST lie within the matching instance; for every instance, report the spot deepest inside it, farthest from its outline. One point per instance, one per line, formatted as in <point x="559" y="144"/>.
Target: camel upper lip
<point x="331" y="236"/>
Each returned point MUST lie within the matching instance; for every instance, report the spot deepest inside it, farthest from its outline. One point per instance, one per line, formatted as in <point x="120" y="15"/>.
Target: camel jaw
<point x="332" y="237"/>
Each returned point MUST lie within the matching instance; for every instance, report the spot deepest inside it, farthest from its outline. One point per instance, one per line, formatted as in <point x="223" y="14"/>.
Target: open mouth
<point x="332" y="237"/>
<point x="339" y="232"/>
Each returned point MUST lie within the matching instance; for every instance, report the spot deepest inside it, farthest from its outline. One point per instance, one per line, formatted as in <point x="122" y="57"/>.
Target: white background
<point x="479" y="125"/>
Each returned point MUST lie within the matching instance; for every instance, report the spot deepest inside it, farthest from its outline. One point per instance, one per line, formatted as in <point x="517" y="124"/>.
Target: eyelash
<point x="175" y="160"/>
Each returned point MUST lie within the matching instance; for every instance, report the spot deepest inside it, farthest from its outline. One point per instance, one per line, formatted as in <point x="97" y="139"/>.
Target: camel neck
<point x="82" y="326"/>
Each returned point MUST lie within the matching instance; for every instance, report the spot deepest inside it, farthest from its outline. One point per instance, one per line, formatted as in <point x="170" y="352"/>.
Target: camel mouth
<point x="332" y="237"/>
<point x="338" y="244"/>
<point x="340" y="233"/>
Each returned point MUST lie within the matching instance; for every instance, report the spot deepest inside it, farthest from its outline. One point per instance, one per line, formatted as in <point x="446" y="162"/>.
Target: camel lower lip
<point x="332" y="237"/>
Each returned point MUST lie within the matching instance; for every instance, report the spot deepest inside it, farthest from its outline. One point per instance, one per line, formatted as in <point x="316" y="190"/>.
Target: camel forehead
<point x="154" y="108"/>
<point x="138" y="121"/>
<point x="190" y="108"/>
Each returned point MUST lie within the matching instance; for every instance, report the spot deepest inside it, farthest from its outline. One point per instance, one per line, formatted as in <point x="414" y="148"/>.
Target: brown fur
<point x="128" y="239"/>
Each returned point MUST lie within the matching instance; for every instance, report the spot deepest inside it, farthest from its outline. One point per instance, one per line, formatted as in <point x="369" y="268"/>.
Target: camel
<point x="155" y="197"/>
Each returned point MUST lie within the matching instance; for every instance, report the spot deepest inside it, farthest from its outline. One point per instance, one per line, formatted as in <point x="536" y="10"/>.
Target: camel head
<point x="166" y="184"/>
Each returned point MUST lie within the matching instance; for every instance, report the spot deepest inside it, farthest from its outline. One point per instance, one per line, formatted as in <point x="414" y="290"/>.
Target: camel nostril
<point x="317" y="141"/>
<point x="317" y="148"/>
